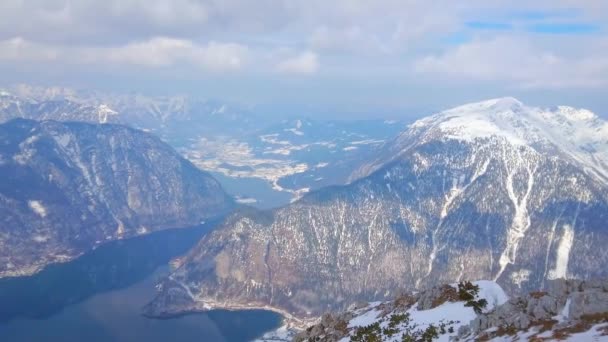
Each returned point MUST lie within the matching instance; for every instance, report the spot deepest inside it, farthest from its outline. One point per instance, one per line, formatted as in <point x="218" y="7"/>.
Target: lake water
<point x="98" y="298"/>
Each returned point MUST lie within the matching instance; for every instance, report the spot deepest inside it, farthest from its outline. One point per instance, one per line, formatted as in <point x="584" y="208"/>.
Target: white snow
<point x="566" y="310"/>
<point x="246" y="200"/>
<point x="296" y="130"/>
<point x="579" y="133"/>
<point x="450" y="311"/>
<point x="40" y="238"/>
<point x="521" y="276"/>
<point x="563" y="254"/>
<point x="103" y="112"/>
<point x="38" y="208"/>
<point x="63" y="140"/>
<point x="594" y="334"/>
<point x="492" y="292"/>
<point x="366" y="319"/>
<point x="521" y="219"/>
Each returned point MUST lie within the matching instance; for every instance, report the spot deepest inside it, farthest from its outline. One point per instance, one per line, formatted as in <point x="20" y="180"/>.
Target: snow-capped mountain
<point x="576" y="134"/>
<point x="68" y="187"/>
<point x="12" y="107"/>
<point x="564" y="312"/>
<point x="464" y="194"/>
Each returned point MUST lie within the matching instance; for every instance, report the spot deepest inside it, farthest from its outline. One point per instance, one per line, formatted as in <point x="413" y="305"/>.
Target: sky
<point x="342" y="58"/>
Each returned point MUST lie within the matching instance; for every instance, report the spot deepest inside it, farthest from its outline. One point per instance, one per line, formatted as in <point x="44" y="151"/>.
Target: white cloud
<point x="519" y="62"/>
<point x="352" y="39"/>
<point x="305" y="63"/>
<point x="162" y="51"/>
<point x="380" y="40"/>
<point x="19" y="49"/>
<point x="155" y="52"/>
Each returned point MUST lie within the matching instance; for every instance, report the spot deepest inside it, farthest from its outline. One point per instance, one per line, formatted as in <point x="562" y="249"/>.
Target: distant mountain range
<point x="69" y="187"/>
<point x="490" y="190"/>
<point x="292" y="156"/>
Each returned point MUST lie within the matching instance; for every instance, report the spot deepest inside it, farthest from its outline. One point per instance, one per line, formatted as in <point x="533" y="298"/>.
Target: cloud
<point x="155" y="52"/>
<point x="411" y="43"/>
<point x="121" y="21"/>
<point x="305" y="63"/>
<point x="19" y="49"/>
<point x="345" y="40"/>
<point x="516" y="61"/>
<point x="162" y="51"/>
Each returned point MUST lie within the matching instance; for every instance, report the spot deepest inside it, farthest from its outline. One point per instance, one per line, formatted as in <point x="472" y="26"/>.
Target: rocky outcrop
<point x="570" y="310"/>
<point x="409" y="315"/>
<point x="565" y="307"/>
<point x="68" y="187"/>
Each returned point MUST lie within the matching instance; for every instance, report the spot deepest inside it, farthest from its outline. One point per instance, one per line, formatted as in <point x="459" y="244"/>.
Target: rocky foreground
<point x="570" y="310"/>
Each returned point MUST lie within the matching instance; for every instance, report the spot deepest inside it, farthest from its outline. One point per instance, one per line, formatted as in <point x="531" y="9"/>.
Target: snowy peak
<point x="510" y="118"/>
<point x="492" y="105"/>
<point x="578" y="134"/>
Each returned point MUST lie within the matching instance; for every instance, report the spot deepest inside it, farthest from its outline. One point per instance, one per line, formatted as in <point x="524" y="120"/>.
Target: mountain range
<point x="236" y="143"/>
<point x="490" y="190"/>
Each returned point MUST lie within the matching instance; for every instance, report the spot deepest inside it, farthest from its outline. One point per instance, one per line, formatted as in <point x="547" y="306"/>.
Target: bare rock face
<point x="483" y="191"/>
<point x="68" y="187"/>
<point x="566" y="307"/>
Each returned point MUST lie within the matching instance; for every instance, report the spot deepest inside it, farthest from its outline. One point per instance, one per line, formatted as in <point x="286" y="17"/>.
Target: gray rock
<point x="585" y="298"/>
<point x="589" y="302"/>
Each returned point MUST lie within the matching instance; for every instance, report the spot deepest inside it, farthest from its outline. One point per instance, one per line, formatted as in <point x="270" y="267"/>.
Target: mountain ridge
<point x="577" y="133"/>
<point x="446" y="209"/>
<point x="71" y="186"/>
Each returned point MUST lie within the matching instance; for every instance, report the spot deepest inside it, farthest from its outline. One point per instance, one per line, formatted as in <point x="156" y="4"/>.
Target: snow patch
<point x="565" y="314"/>
<point x="63" y="140"/>
<point x="563" y="254"/>
<point x="38" y="208"/>
<point x="245" y="200"/>
<point x="103" y="112"/>
<point x="520" y="277"/>
<point x="40" y="238"/>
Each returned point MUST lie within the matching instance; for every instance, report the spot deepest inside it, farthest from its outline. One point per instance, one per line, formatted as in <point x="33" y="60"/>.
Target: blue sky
<point x="342" y="57"/>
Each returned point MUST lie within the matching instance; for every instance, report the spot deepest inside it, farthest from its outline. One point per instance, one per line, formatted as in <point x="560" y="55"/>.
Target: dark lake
<point x="99" y="296"/>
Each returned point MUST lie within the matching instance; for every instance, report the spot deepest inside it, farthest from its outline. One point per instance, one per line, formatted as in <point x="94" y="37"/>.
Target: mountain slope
<point x="571" y="133"/>
<point x="442" y="209"/>
<point x="68" y="187"/>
